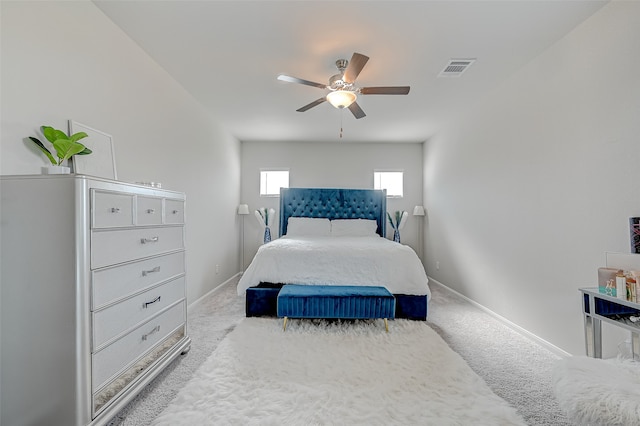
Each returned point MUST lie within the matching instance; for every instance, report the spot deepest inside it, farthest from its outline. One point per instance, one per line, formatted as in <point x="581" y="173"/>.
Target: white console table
<point x="598" y="307"/>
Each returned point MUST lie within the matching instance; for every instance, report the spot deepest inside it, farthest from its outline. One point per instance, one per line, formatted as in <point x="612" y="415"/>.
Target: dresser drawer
<point x="118" y="356"/>
<point x="111" y="209"/>
<point x="118" y="282"/>
<point x="173" y="211"/>
<point x="117" y="246"/>
<point x="148" y="211"/>
<point x="116" y="319"/>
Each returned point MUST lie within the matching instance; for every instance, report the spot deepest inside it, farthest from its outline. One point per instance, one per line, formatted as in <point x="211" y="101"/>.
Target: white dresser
<point x="92" y="293"/>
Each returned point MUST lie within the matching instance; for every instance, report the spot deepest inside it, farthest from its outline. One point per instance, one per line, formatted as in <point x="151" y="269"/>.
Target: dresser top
<point x="98" y="182"/>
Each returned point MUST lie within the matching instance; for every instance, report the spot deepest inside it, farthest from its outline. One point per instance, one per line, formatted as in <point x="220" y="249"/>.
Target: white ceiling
<point x="229" y="53"/>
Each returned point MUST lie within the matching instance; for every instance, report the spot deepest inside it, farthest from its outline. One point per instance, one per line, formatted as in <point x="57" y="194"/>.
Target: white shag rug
<point x="320" y="372"/>
<point x="596" y="392"/>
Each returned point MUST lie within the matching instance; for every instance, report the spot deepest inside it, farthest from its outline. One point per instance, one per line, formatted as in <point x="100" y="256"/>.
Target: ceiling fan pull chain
<point x="341" y="110"/>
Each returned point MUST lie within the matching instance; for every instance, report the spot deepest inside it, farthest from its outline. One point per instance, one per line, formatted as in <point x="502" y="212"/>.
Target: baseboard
<point x="515" y="327"/>
<point x="210" y="292"/>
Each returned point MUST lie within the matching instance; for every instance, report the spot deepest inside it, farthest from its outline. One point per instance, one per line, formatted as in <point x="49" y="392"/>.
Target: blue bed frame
<point x="334" y="204"/>
<point x="331" y="203"/>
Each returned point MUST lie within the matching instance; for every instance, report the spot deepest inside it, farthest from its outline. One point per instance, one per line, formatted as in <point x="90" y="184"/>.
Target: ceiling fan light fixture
<point x="341" y="98"/>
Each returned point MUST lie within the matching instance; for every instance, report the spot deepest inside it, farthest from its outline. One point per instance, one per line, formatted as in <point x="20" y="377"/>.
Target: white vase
<point x="56" y="170"/>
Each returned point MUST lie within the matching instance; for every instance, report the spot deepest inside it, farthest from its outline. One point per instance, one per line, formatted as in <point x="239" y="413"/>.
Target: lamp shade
<point x="243" y="209"/>
<point x="418" y="211"/>
<point x="341" y="98"/>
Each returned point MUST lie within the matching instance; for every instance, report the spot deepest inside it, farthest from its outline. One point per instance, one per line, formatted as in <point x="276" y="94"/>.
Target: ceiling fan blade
<point x="356" y="64"/>
<point x="389" y="90"/>
<point x="289" y="79"/>
<point x="356" y="110"/>
<point x="312" y="104"/>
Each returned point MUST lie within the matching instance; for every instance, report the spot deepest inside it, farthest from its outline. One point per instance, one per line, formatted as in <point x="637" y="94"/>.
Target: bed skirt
<point x="263" y="301"/>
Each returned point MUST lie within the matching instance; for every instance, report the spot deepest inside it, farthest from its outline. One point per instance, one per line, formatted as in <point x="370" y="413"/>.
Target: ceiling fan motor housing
<point x="336" y="83"/>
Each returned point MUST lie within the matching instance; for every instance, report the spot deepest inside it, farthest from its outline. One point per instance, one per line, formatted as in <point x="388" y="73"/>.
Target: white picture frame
<point x="102" y="161"/>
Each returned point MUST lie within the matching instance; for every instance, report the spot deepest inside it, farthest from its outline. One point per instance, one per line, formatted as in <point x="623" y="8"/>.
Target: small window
<point x="272" y="180"/>
<point x="391" y="181"/>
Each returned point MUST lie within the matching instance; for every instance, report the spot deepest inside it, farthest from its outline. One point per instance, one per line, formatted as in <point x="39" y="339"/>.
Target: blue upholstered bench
<point x="343" y="302"/>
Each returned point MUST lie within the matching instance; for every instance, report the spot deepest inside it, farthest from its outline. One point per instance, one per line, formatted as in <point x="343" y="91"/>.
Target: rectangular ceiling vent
<point x="456" y="67"/>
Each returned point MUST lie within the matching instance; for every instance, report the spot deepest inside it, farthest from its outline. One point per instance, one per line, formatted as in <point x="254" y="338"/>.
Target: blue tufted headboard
<point x="334" y="204"/>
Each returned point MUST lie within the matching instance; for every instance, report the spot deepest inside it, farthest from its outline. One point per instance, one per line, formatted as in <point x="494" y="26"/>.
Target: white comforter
<point x="372" y="261"/>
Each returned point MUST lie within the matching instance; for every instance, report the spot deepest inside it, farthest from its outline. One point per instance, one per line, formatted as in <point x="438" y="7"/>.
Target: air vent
<point x="456" y="67"/>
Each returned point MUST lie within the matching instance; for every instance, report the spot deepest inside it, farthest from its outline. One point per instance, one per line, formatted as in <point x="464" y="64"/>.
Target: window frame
<point x="381" y="171"/>
<point x="272" y="169"/>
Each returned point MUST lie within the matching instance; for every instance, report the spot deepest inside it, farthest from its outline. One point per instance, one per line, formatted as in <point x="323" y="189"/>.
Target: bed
<point x="334" y="237"/>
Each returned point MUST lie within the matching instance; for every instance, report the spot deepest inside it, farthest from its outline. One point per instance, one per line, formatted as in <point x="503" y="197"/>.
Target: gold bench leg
<point x="284" y="324"/>
<point x="386" y="325"/>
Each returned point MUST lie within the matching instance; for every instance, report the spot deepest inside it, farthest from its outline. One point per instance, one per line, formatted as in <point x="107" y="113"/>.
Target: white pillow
<point x="353" y="228"/>
<point x="308" y="227"/>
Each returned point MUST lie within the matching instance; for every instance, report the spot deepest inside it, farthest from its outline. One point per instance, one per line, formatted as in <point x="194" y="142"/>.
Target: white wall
<point x="329" y="165"/>
<point x="66" y="60"/>
<point x="527" y="192"/>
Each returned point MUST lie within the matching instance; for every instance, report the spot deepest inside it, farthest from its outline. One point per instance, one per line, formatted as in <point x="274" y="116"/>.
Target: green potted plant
<point x="64" y="146"/>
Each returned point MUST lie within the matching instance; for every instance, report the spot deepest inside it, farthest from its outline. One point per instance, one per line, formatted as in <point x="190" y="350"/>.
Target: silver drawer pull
<point x="144" y="305"/>
<point x="149" y="240"/>
<point x="176" y="211"/>
<point x="155" y="330"/>
<point x="115" y="209"/>
<point x="151" y="211"/>
<point x="145" y="273"/>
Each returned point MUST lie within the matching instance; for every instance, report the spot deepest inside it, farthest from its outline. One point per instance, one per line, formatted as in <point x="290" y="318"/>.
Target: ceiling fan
<point x="342" y="89"/>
